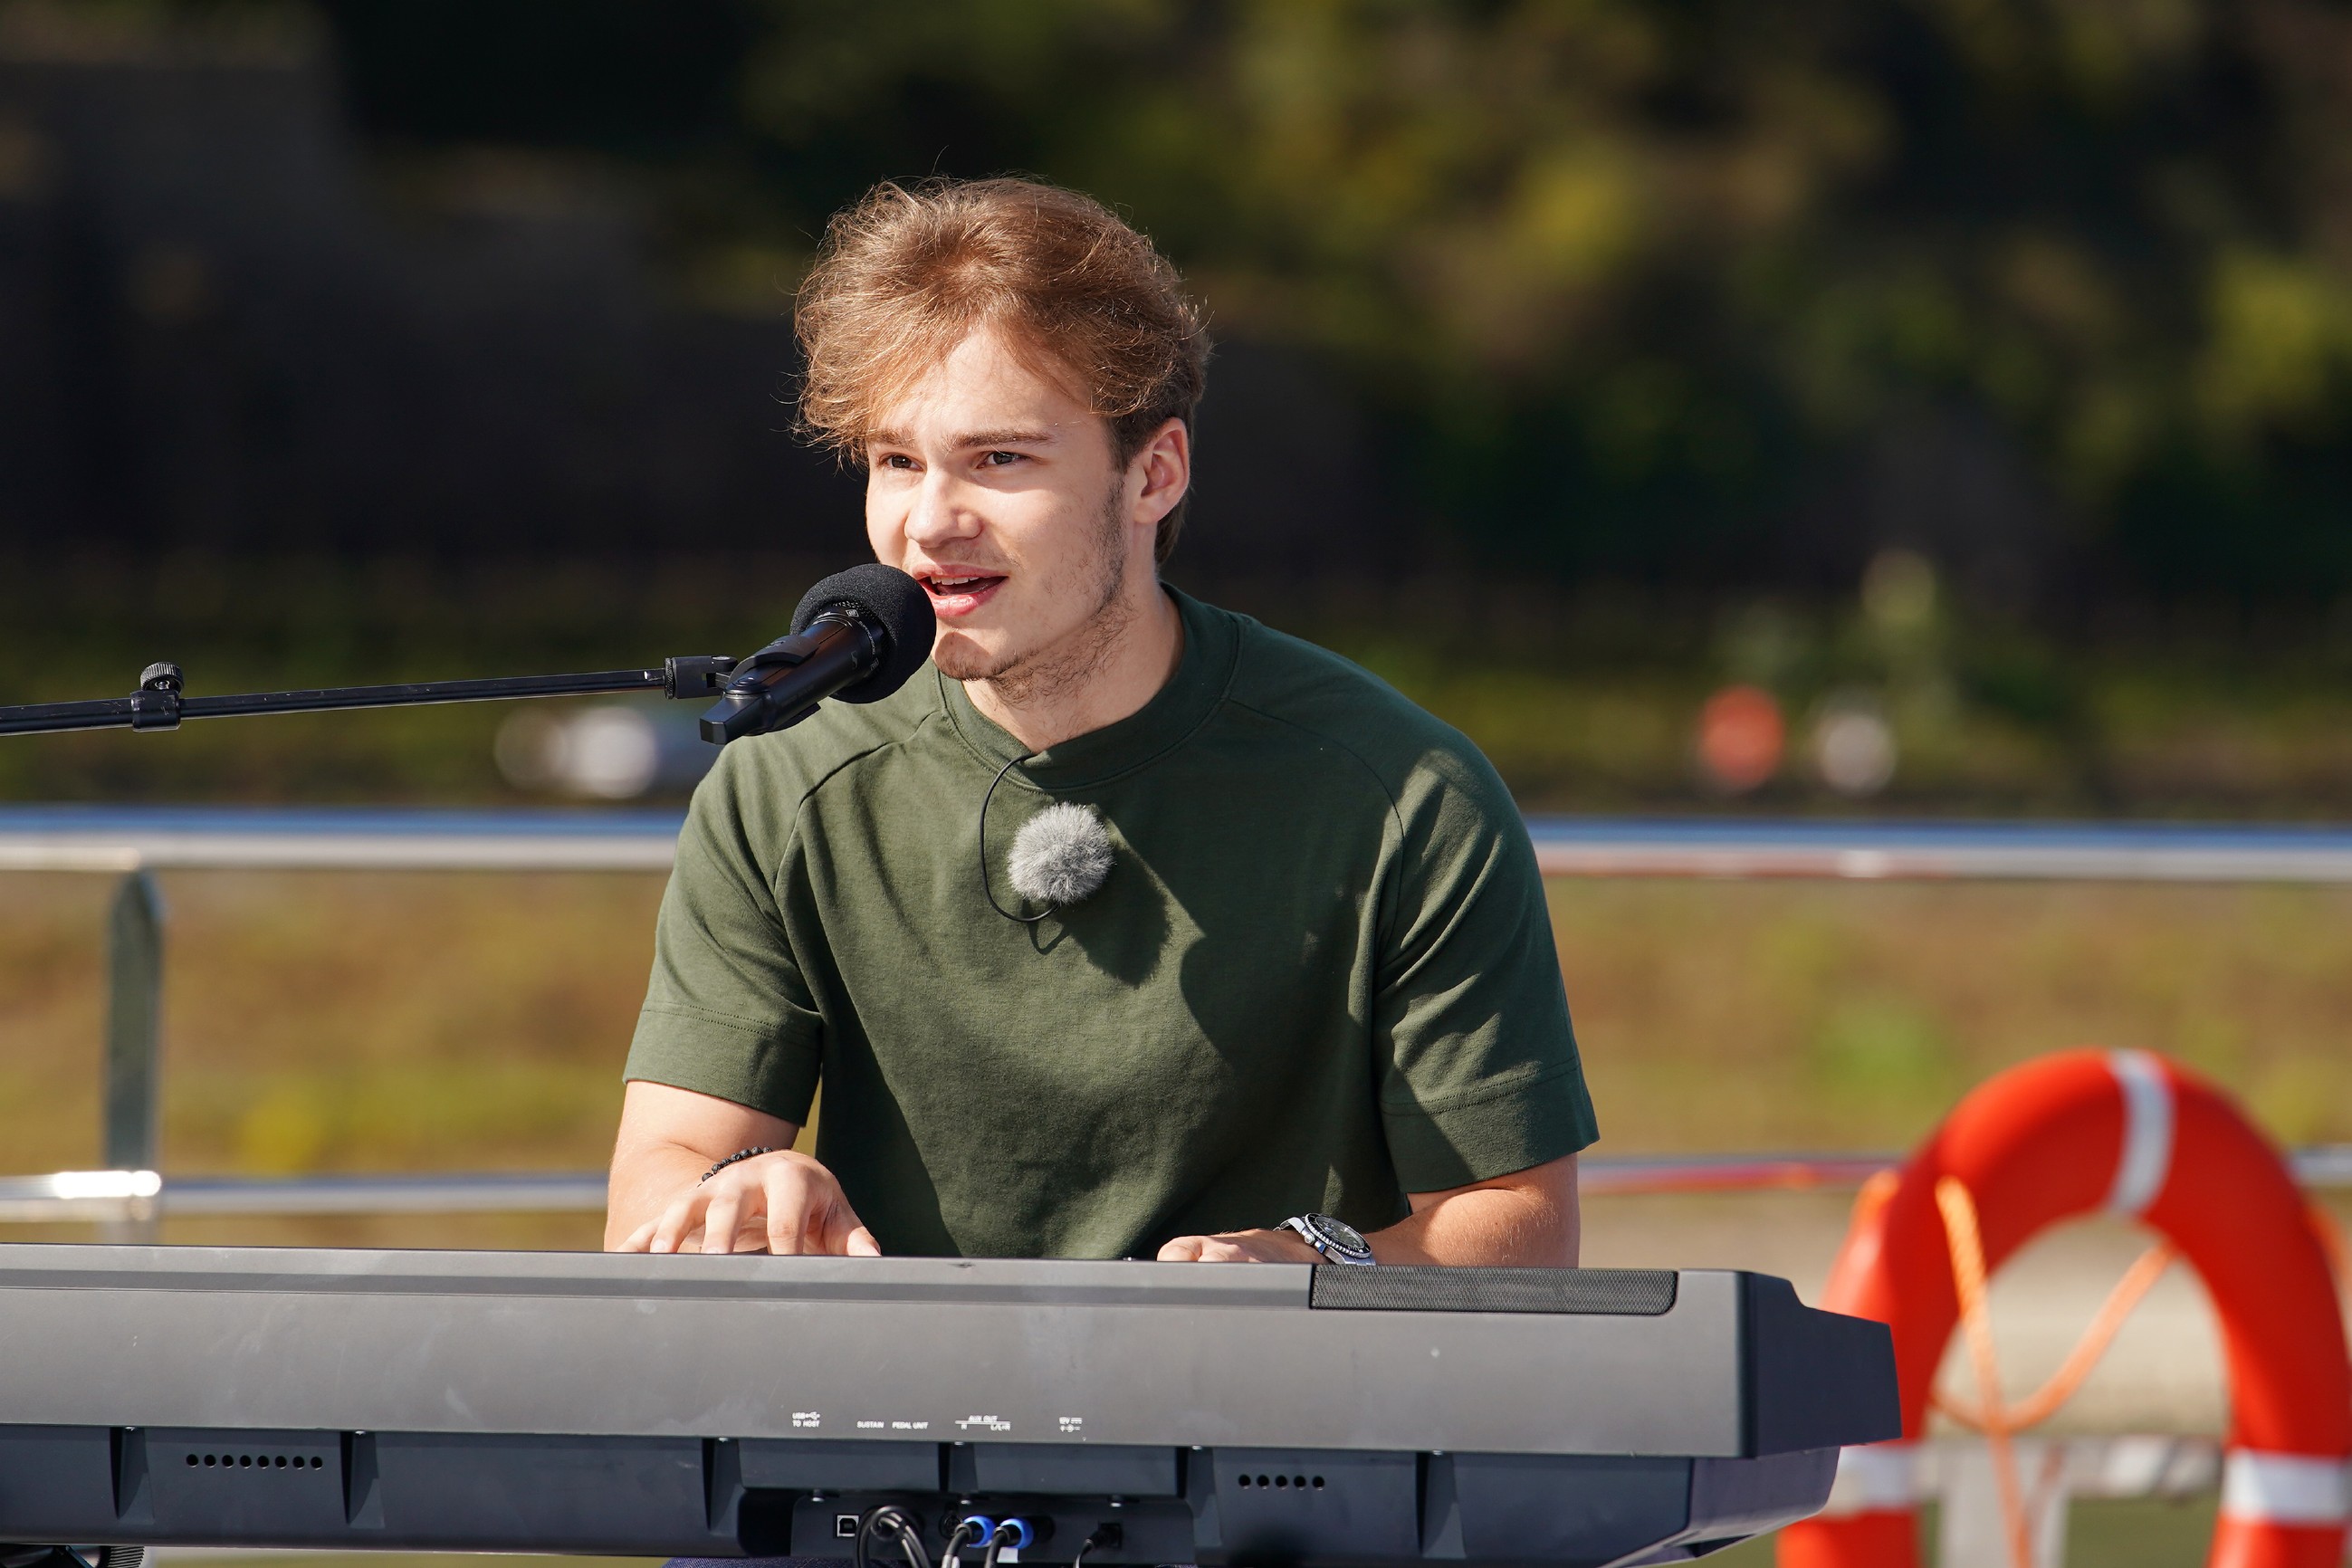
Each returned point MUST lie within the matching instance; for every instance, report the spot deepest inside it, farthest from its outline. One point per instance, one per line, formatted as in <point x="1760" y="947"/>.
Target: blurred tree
<point x="1678" y="289"/>
<point x="1638" y="276"/>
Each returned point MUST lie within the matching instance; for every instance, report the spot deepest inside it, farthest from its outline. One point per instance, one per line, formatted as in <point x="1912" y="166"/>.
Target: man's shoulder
<point x="773" y="775"/>
<point x="1329" y="700"/>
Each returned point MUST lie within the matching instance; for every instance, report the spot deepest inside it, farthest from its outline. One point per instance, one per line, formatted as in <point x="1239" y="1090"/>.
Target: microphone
<point x="858" y="636"/>
<point x="1060" y="856"/>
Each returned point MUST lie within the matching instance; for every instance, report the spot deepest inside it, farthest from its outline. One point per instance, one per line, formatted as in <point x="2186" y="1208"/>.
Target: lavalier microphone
<point x="1059" y="857"/>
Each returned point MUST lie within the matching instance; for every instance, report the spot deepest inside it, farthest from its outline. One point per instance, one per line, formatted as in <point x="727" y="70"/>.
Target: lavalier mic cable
<point x="1059" y="857"/>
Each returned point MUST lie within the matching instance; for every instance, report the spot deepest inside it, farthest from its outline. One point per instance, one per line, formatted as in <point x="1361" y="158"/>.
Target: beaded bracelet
<point x="739" y="1154"/>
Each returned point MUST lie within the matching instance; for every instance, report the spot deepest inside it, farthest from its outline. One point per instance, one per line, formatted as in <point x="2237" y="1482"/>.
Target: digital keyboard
<point x="1126" y="1413"/>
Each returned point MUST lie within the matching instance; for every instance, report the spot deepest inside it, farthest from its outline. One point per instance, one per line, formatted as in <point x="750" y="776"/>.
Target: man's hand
<point x="1240" y="1246"/>
<point x="1526" y="1219"/>
<point x="784" y="1202"/>
<point x="779" y="1201"/>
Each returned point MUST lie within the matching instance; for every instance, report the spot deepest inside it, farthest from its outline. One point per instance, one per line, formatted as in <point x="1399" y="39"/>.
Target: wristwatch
<point x="1336" y="1239"/>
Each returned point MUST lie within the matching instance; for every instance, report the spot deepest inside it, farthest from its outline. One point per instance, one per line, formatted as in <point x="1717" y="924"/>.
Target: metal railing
<point x="132" y="844"/>
<point x="125" y="840"/>
<point x="1900" y="851"/>
<point x="140" y="1197"/>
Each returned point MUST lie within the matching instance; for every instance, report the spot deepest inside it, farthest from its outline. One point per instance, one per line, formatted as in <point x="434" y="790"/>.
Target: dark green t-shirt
<point x="1320" y="974"/>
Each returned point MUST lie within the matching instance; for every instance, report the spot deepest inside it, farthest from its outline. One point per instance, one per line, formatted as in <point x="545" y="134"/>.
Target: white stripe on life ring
<point x="1880" y="1478"/>
<point x="2286" y="1488"/>
<point x="2147" y="1157"/>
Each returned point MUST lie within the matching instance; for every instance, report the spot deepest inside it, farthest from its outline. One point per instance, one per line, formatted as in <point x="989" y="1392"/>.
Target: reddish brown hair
<point x="905" y="275"/>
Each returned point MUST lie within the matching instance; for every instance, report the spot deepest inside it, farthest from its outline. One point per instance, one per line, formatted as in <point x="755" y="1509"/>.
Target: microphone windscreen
<point x="894" y="605"/>
<point x="1060" y="856"/>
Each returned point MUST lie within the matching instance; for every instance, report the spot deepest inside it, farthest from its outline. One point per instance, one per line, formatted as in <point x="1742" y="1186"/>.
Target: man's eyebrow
<point x="969" y="441"/>
<point x="1002" y="438"/>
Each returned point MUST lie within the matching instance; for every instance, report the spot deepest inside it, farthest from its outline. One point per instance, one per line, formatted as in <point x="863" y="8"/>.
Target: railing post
<point x="1971" y="1526"/>
<point x="134" y="996"/>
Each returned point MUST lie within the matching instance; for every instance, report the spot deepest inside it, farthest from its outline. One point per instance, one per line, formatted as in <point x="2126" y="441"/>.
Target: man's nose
<point x="938" y="513"/>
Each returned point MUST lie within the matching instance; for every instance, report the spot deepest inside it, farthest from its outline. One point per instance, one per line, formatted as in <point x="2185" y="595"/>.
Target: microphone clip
<point x="704" y="676"/>
<point x="749" y="704"/>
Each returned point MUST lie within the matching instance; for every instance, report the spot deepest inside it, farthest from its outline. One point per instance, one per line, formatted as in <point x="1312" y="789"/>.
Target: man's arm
<point x="657" y="1200"/>
<point x="1526" y="1219"/>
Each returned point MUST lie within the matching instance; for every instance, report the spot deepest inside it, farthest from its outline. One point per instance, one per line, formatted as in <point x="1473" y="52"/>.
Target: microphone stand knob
<point x="156" y="704"/>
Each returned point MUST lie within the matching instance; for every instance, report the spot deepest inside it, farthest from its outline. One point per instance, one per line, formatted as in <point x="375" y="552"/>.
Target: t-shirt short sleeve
<point x="728" y="1011"/>
<point x="1480" y="1075"/>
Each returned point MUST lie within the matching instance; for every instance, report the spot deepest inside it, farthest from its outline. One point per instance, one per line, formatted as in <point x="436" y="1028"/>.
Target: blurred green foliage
<point x="1632" y="278"/>
<point x="1585" y="700"/>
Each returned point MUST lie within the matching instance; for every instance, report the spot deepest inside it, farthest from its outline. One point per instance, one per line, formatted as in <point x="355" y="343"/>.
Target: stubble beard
<point x="1046" y="673"/>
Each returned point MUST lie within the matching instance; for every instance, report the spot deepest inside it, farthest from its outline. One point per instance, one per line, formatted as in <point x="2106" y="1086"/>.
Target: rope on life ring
<point x="1996" y="1420"/>
<point x="2139" y="1137"/>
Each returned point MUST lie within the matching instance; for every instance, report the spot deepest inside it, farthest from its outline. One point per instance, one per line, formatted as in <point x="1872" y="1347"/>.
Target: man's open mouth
<point x="958" y="584"/>
<point x="957" y="593"/>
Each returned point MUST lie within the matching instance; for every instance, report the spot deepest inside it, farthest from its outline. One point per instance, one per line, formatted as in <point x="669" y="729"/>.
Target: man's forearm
<point x="1526" y="1219"/>
<point x="668" y="1138"/>
<point x="1486" y="1225"/>
<point x="644" y="1180"/>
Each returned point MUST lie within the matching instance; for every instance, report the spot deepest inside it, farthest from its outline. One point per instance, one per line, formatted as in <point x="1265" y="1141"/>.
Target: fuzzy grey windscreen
<point x="1060" y="856"/>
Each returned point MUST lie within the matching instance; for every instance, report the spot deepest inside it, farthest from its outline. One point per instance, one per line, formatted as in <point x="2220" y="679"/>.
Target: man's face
<point x="999" y="491"/>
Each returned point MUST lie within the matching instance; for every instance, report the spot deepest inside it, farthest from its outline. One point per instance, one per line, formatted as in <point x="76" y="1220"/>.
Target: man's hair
<point x="906" y="274"/>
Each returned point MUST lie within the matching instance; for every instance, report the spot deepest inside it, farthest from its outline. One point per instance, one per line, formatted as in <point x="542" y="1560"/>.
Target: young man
<point x="1317" y="983"/>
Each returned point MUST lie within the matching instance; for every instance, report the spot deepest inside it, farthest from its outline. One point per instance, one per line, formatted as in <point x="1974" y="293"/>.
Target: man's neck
<point x="1129" y="655"/>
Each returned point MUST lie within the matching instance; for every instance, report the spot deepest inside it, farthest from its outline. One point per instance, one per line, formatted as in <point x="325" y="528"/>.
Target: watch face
<point x="1342" y="1236"/>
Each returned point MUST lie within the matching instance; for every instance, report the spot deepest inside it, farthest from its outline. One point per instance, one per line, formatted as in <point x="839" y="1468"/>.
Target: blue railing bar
<point x="142" y="1195"/>
<point x="126" y="839"/>
<point x="122" y="838"/>
<point x="1903" y="850"/>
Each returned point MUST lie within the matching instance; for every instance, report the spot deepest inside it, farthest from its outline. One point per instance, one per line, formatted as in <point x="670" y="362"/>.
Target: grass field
<point x="425" y="1022"/>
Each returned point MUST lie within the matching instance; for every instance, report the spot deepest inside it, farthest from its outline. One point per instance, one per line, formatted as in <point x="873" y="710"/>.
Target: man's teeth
<point x="956" y="584"/>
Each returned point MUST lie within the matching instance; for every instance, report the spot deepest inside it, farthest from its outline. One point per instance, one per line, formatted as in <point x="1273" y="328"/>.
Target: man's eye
<point x="1002" y="460"/>
<point x="898" y="460"/>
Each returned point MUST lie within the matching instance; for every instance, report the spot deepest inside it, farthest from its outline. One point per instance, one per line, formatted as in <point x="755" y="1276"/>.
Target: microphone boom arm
<point x="858" y="636"/>
<point x="159" y="703"/>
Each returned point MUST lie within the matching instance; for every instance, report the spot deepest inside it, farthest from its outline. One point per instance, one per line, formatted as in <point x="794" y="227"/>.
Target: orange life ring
<point x="2134" y="1135"/>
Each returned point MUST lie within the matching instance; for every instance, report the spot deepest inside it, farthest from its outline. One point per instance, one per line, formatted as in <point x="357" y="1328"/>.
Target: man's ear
<point x="1165" y="465"/>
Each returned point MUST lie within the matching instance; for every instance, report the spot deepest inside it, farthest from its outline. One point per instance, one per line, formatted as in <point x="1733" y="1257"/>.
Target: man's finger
<point x="1237" y="1249"/>
<point x="719" y="1221"/>
<point x="861" y="1243"/>
<point x="1183" y="1250"/>
<point x="841" y="1222"/>
<point x="639" y="1239"/>
<point x="684" y="1216"/>
<point x="788" y="1212"/>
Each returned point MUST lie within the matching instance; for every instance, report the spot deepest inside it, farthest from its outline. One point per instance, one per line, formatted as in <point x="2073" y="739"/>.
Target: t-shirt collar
<point x="1212" y="645"/>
